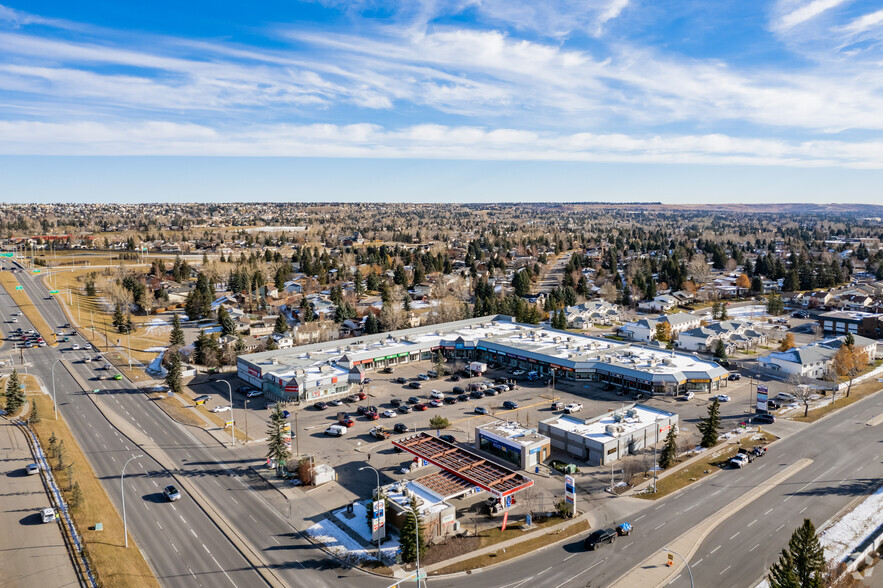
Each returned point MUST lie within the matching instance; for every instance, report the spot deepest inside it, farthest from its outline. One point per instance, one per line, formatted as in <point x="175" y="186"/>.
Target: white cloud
<point x="805" y="12"/>
<point x="863" y="23"/>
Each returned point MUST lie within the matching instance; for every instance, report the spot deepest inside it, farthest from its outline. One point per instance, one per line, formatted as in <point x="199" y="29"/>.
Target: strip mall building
<point x="322" y="371"/>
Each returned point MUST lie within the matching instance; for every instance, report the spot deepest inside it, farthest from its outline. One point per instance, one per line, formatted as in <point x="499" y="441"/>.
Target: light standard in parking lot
<point x="123" y="494"/>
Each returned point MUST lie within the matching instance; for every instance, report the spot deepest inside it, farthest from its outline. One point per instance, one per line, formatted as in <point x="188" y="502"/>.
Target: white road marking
<point x="724" y="570"/>
<point x="760" y="467"/>
<point x="753" y="548"/>
<point x="194" y="534"/>
<point x="216" y="482"/>
<point x="191" y="573"/>
<point x="658" y="507"/>
<point x="640" y="517"/>
<point x="252" y="518"/>
<point x="780" y="528"/>
<point x="113" y="458"/>
<point x="158" y="525"/>
<point x="173" y="507"/>
<point x="673" y="581"/>
<point x="698" y="562"/>
<point x="716" y="493"/>
<point x="689" y="507"/>
<point x="277" y="543"/>
<point x="767" y="512"/>
<point x="175" y="548"/>
<point x="734" y="536"/>
<point x="206" y="549"/>
<point x="659" y="527"/>
<point x="751" y="523"/>
<point x="804" y="508"/>
<point x="223" y="570"/>
<point x="234" y="500"/>
<point x="715" y="549"/>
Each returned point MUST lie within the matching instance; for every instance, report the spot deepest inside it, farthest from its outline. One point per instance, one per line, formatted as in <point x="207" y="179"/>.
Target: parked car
<point x="476" y="394"/>
<point x="335" y="402"/>
<point x="456" y="378"/>
<point x="448" y="438"/>
<point x="395" y="402"/>
<point x="491" y="392"/>
<point x="734" y="376"/>
<point x="435" y="403"/>
<point x="458" y="390"/>
<point x="361" y="410"/>
<point x="320" y="406"/>
<point x="764" y="419"/>
<point x="450" y="400"/>
<point x="721" y="398"/>
<point x="362" y="395"/>
<point x="336" y="430"/>
<point x="463" y="398"/>
<point x="422" y="377"/>
<point x="387" y="370"/>
<point x="404" y="409"/>
<point x="415" y="385"/>
<point x="346" y="422"/>
<point x="270" y="405"/>
<point x="420" y="407"/>
<point x="171" y="493"/>
<point x="389" y="414"/>
<point x="518" y="373"/>
<point x="558" y="406"/>
<point x="400" y="380"/>
<point x="573" y="407"/>
<point x="599" y="537"/>
<point x="510" y="405"/>
<point x="220" y="408"/>
<point x="254" y="393"/>
<point x="401" y="428"/>
<point x="413" y="400"/>
<point x="480" y="410"/>
<point x="786" y="397"/>
<point x="772" y="405"/>
<point x="371" y="416"/>
<point x="688" y="396"/>
<point x="436" y="394"/>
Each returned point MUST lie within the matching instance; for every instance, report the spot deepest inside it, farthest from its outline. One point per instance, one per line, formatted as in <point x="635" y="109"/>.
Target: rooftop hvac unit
<point x="613" y="430"/>
<point x="617" y="418"/>
<point x="631" y="413"/>
<point x="274" y="361"/>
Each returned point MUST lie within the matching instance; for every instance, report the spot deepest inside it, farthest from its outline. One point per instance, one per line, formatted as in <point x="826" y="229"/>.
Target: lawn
<point x="494" y="536"/>
<point x="9" y="283"/>
<point x="858" y="392"/>
<point x="702" y="468"/>
<point x="114" y="564"/>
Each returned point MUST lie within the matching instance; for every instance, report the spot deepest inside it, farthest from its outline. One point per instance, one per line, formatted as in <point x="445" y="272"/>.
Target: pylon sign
<point x="569" y="490"/>
<point x="378" y="520"/>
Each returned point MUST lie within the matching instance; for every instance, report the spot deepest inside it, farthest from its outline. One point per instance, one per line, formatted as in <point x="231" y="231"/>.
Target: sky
<point x="442" y="100"/>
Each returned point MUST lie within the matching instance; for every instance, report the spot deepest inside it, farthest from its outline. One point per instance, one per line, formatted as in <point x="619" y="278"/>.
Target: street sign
<point x="19" y="288"/>
<point x="570" y="490"/>
<point x="762" y="398"/>
<point x="229" y="423"/>
<point x="36" y="271"/>
<point x="7" y="254"/>
<point x="53" y="291"/>
<point x="378" y="520"/>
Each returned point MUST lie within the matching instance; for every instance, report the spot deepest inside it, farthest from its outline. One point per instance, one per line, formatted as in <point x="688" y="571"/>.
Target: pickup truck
<point x="573" y="407"/>
<point x="380" y="433"/>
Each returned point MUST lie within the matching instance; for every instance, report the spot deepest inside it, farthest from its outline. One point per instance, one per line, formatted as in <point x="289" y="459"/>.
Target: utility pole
<point x="296" y="438"/>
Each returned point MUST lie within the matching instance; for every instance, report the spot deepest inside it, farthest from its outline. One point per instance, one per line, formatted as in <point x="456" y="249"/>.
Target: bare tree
<point x="800" y="387"/>
<point x="698" y="269"/>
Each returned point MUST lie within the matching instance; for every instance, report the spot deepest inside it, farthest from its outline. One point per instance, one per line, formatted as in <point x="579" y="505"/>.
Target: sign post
<point x="762" y="398"/>
<point x="378" y="521"/>
<point x="570" y="493"/>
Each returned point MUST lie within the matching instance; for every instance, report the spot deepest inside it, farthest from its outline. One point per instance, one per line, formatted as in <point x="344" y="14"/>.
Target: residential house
<point x="645" y="329"/>
<point x="593" y="312"/>
<point x="813" y="360"/>
<point x="662" y="303"/>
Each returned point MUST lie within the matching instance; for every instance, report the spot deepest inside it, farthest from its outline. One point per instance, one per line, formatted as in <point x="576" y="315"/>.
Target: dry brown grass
<point x="858" y="392"/>
<point x="114" y="564"/>
<point x="542" y="539"/>
<point x="20" y="297"/>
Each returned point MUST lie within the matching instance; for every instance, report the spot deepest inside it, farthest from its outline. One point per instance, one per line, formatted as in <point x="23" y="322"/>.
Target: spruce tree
<point x="228" y="325"/>
<point x="34" y="417"/>
<point x="720" y="350"/>
<point x="281" y="326"/>
<point x="277" y="448"/>
<point x="710" y="425"/>
<point x="15" y="397"/>
<point x="199" y="348"/>
<point x="177" y="335"/>
<point x="76" y="497"/>
<point x="803" y="563"/>
<point x="412" y="531"/>
<point x="173" y="375"/>
<point x="669" y="454"/>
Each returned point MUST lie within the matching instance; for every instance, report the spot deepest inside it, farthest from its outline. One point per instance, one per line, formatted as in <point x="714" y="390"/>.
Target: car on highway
<point x="573" y="407"/>
<point x="117" y="376"/>
<point x="87" y="360"/>
<point x="764" y="419"/>
<point x="480" y="410"/>
<point x="253" y="393"/>
<point x="87" y="347"/>
<point x="75" y="346"/>
<point x="599" y="537"/>
<point x="32" y="469"/>
<point x="336" y="430"/>
<point x="48" y="515"/>
<point x="202" y="399"/>
<point x="390" y="414"/>
<point x="436" y="394"/>
<point x="224" y="408"/>
<point x="721" y="398"/>
<point x="740" y="460"/>
<point x="401" y="428"/>
<point x="510" y="404"/>
<point x="171" y="493"/>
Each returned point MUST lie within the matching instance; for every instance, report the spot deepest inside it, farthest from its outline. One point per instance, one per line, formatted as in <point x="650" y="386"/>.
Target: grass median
<point x="114" y="564"/>
<point x="20" y="297"/>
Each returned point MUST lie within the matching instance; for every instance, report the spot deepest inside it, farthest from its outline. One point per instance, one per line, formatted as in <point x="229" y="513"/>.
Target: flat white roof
<point x="596" y="428"/>
<point x="512" y="431"/>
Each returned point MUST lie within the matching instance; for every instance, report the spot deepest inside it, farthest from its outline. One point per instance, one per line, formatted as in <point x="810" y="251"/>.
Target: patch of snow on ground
<point x="156" y="367"/>
<point x="359" y="523"/>
<point x="213" y="330"/>
<point x="155" y="349"/>
<point x="842" y="536"/>
<point x="345" y="547"/>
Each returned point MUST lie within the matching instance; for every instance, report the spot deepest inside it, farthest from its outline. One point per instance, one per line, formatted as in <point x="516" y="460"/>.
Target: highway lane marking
<point x="252" y="518"/>
<point x="216" y="482"/>
<point x="760" y="467"/>
<point x="173" y="547"/>
<point x="640" y="517"/>
<point x="158" y="525"/>
<point x="859" y="468"/>
<point x="173" y="507"/>
<point x="673" y="581"/>
<point x="234" y="500"/>
<point x="698" y="562"/>
<point x="734" y="536"/>
<point x="804" y="508"/>
<point x="753" y="548"/>
<point x="565" y="559"/>
<point x="751" y="523"/>
<point x="659" y="527"/>
<point x="767" y="512"/>
<point x="780" y="528"/>
<point x="113" y="458"/>
<point x="192" y="574"/>
<point x="724" y="570"/>
<point x="223" y="570"/>
<point x="716" y="493"/>
<point x="597" y="563"/>
<point x="192" y="532"/>
<point x="544" y="571"/>
<point x="715" y="549"/>
<point x="689" y="507"/>
<point x="277" y="543"/>
<point x="677" y="496"/>
<point x="206" y="549"/>
<point x="658" y="507"/>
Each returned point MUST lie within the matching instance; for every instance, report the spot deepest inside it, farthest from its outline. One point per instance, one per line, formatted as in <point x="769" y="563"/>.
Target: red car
<point x="372" y="416"/>
<point x="420" y="406"/>
<point x="347" y="422"/>
<point x="362" y="396"/>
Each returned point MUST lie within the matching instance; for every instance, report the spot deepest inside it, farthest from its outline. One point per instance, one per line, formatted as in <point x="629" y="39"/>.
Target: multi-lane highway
<point x="182" y="543"/>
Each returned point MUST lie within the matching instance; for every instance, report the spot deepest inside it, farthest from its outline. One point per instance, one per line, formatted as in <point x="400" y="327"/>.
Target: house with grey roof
<point x="593" y="312"/>
<point x="814" y="360"/>
<point x="735" y="335"/>
<point x="645" y="329"/>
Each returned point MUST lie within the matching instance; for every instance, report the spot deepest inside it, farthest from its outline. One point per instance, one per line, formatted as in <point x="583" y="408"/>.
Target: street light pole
<point x="689" y="571"/>
<point x="378" y="498"/>
<point x="54" y="403"/>
<point x="410" y="510"/>
<point x="123" y="494"/>
<point x="655" y="445"/>
<point x="232" y="427"/>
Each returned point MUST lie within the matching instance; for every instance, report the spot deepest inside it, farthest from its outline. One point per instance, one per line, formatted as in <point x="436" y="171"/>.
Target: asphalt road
<point x="847" y="462"/>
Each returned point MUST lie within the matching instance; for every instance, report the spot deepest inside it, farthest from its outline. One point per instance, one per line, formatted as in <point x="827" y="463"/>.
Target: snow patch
<point x="842" y="536"/>
<point x="338" y="542"/>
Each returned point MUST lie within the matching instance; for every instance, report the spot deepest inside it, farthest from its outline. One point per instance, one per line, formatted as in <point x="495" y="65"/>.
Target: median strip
<point x="23" y="301"/>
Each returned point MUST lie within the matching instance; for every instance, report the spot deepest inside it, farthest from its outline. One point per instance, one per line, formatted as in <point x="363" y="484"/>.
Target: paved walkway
<point x="31" y="553"/>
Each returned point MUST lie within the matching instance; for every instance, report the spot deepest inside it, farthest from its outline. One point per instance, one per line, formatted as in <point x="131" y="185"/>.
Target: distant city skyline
<point x="442" y="100"/>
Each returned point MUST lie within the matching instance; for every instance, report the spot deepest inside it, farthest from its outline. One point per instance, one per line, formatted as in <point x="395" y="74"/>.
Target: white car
<point x="75" y="346"/>
<point x="254" y="393"/>
<point x="573" y="407"/>
<point x="422" y="377"/>
<point x="87" y="347"/>
<point x="739" y="461"/>
<point x="437" y="394"/>
<point x="220" y="409"/>
<point x="688" y="396"/>
<point x="336" y="430"/>
<point x="721" y="398"/>
<point x="390" y="414"/>
<point x="518" y="373"/>
<point x="48" y="514"/>
<point x="33" y="469"/>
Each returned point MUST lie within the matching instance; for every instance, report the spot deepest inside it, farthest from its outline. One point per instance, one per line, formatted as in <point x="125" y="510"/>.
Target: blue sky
<point x="441" y="100"/>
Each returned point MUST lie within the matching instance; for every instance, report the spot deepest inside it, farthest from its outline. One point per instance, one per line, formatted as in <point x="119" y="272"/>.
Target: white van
<point x="336" y="430"/>
<point x="785" y="397"/>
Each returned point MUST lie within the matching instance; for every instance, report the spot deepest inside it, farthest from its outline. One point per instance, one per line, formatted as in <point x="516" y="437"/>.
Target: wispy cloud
<point x="863" y="23"/>
<point x="799" y="13"/>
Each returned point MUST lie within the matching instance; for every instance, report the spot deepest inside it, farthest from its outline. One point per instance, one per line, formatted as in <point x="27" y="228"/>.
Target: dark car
<point x="773" y="405"/>
<point x="448" y="438"/>
<point x="401" y="428"/>
<point x="400" y="380"/>
<point x="413" y="400"/>
<point x="450" y="400"/>
<point x="421" y="406"/>
<point x="361" y="409"/>
<point x="500" y="381"/>
<point x="458" y="390"/>
<point x="396" y="402"/>
<point x="404" y="409"/>
<point x="463" y="398"/>
<point x="415" y="385"/>
<point x="321" y="405"/>
<point x="608" y="387"/>
<point x="373" y="408"/>
<point x="477" y="394"/>
<point x="510" y="404"/>
<point x="599" y="537"/>
<point x="733" y="377"/>
<point x="764" y="419"/>
<point x="456" y="378"/>
<point x="491" y="392"/>
<point x="387" y="370"/>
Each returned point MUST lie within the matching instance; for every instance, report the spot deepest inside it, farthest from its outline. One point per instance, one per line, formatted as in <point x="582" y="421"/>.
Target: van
<point x="557" y="406"/>
<point x="432" y="373"/>
<point x="532" y="376"/>
<point x="785" y="397"/>
<point x="336" y="430"/>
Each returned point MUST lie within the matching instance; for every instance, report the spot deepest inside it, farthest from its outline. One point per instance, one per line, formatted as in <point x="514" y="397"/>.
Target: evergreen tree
<point x="239" y="347"/>
<point x="76" y="497"/>
<point x="412" y="531"/>
<point x="277" y="447"/>
<point x="439" y="365"/>
<point x="720" y="350"/>
<point x="173" y="373"/>
<point x="199" y="348"/>
<point x="723" y="312"/>
<point x="228" y="325"/>
<point x="710" y="425"/>
<point x="715" y="310"/>
<point x="34" y="417"/>
<point x="774" y="305"/>
<point x="281" y="326"/>
<point x="371" y="325"/>
<point x="119" y="319"/>
<point x="15" y="397"/>
<point x="803" y="563"/>
<point x="177" y="335"/>
<point x="669" y="454"/>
